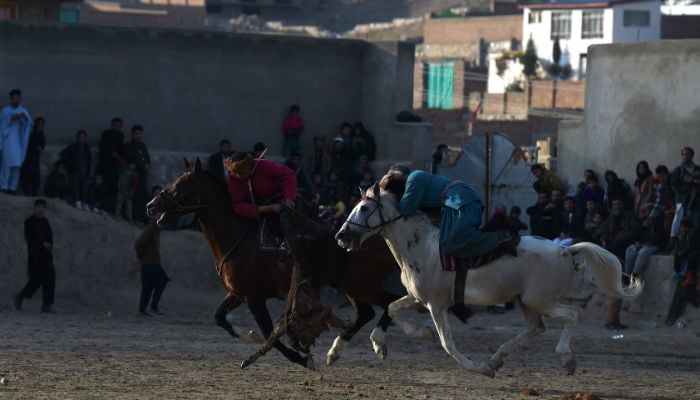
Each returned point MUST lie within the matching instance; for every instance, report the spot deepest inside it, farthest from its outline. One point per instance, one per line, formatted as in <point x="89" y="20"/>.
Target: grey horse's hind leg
<point x="570" y="316"/>
<point x="534" y="327"/>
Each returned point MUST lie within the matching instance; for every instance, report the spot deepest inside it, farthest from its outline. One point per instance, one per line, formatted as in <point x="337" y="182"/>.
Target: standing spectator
<point x="545" y="220"/>
<point x="651" y="239"/>
<point x="617" y="188"/>
<point x="99" y="197"/>
<point x="153" y="278"/>
<point x="135" y="151"/>
<point x="572" y="229"/>
<point x="127" y="183"/>
<point x="644" y="187"/>
<point x="39" y="238"/>
<point x="587" y="174"/>
<point x="292" y="128"/>
<point x="682" y="183"/>
<point x="362" y="142"/>
<point x="592" y="192"/>
<point x="30" y="174"/>
<point x="216" y="160"/>
<point x="78" y="159"/>
<point x="546" y="180"/>
<point x="109" y="159"/>
<point x="318" y="162"/>
<point x="58" y="183"/>
<point x="15" y="128"/>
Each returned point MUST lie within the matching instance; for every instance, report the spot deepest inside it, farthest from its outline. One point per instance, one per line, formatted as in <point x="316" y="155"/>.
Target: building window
<point x="561" y="25"/>
<point x="534" y="17"/>
<point x="636" y="18"/>
<point x="440" y="85"/>
<point x="8" y="10"/>
<point x="592" y="24"/>
<point x="69" y="15"/>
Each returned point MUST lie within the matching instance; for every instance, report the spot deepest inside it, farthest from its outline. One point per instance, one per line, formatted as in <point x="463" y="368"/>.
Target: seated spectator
<point x="361" y="165"/>
<point x="682" y="250"/>
<point x="346" y="132"/>
<point x="557" y="198"/>
<point x="546" y="180"/>
<point x="318" y="190"/>
<point x="341" y="160"/>
<point x="303" y="184"/>
<point x="587" y="174"/>
<point x="362" y="142"/>
<point x="663" y="198"/>
<point x="572" y="229"/>
<point x="594" y="229"/>
<point x="216" y="160"/>
<point x="334" y="186"/>
<point x="498" y="220"/>
<point x="367" y="180"/>
<point x="58" y="183"/>
<point x="651" y="239"/>
<point x="592" y="192"/>
<point x="617" y="188"/>
<point x="318" y="162"/>
<point x="620" y="230"/>
<point x="644" y="187"/>
<point x="545" y="220"/>
<point x="514" y="223"/>
<point x="78" y="159"/>
<point x="99" y="196"/>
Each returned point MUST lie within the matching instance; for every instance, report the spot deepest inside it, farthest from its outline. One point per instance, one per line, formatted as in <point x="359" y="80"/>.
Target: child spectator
<point x="592" y="192"/>
<point x="336" y="187"/>
<point x="651" y="239"/>
<point x="292" y="129"/>
<point x="128" y="179"/>
<point x="318" y="190"/>
<point x="514" y="223"/>
<point x="362" y="142"/>
<point x="153" y="278"/>
<point x="594" y="229"/>
<point x="682" y="250"/>
<point x="57" y="183"/>
<point x="587" y="174"/>
<point x="78" y="159"/>
<point x="367" y="180"/>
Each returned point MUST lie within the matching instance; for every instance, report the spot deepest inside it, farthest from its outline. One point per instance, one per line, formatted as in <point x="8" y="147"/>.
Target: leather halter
<point x="379" y="207"/>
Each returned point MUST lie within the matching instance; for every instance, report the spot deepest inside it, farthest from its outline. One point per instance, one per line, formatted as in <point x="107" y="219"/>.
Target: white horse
<point x="537" y="279"/>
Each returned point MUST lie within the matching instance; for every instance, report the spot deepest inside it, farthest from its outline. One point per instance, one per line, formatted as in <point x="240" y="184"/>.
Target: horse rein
<point x="379" y="207"/>
<point x="180" y="207"/>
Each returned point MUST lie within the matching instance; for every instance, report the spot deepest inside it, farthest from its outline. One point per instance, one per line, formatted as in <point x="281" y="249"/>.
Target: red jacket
<point x="269" y="180"/>
<point x="293" y="126"/>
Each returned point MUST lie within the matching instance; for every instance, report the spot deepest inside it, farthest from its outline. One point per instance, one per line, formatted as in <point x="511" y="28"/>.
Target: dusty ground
<point x="88" y="354"/>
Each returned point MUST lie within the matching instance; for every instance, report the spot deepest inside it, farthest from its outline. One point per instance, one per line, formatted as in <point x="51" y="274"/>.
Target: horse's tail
<point x="607" y="271"/>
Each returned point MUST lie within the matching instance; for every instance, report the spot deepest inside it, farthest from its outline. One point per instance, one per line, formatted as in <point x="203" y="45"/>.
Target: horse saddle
<point x="271" y="238"/>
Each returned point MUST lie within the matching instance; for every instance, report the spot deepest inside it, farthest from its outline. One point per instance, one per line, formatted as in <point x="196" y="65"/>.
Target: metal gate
<point x="498" y="169"/>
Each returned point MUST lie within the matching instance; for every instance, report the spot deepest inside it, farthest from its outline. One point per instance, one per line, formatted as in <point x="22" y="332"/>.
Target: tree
<point x="530" y="59"/>
<point x="554" y="68"/>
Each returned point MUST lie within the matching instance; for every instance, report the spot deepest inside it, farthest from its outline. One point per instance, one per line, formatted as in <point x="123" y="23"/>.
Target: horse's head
<point x="375" y="210"/>
<point x="183" y="196"/>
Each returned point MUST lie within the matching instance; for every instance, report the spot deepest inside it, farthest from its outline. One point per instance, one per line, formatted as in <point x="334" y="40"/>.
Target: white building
<point x="581" y="23"/>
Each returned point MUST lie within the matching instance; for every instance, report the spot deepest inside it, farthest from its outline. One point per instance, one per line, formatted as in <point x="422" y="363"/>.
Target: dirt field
<point x="89" y="354"/>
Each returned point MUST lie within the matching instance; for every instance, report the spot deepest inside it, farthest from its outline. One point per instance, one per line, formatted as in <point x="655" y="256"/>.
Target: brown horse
<point x="252" y="276"/>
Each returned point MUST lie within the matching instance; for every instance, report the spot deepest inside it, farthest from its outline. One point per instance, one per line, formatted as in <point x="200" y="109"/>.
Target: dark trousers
<point x="30" y="182"/>
<point x="44" y="277"/>
<point x="153" y="281"/>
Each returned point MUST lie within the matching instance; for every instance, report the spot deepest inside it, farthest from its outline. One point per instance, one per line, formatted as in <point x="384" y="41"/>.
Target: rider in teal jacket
<point x="462" y="210"/>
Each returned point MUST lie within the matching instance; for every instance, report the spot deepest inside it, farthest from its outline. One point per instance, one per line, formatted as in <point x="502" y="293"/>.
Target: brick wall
<point x="473" y="29"/>
<point x="569" y="94"/>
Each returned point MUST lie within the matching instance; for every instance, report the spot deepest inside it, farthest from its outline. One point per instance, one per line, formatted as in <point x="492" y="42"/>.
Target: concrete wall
<point x="189" y="89"/>
<point x="641" y="104"/>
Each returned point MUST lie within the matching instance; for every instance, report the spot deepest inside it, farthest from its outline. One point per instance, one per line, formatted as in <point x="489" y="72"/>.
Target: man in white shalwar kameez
<point x="15" y="127"/>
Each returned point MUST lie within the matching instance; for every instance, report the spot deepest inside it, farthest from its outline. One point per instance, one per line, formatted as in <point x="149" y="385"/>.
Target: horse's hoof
<point x="569" y="364"/>
<point x="381" y="351"/>
<point x="310" y="363"/>
<point x="245" y="363"/>
<point x="331" y="358"/>
<point x="495" y="364"/>
<point x="485" y="369"/>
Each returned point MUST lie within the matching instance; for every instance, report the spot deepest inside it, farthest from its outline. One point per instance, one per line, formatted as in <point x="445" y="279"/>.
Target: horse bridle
<point x="379" y="207"/>
<point x="166" y="196"/>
